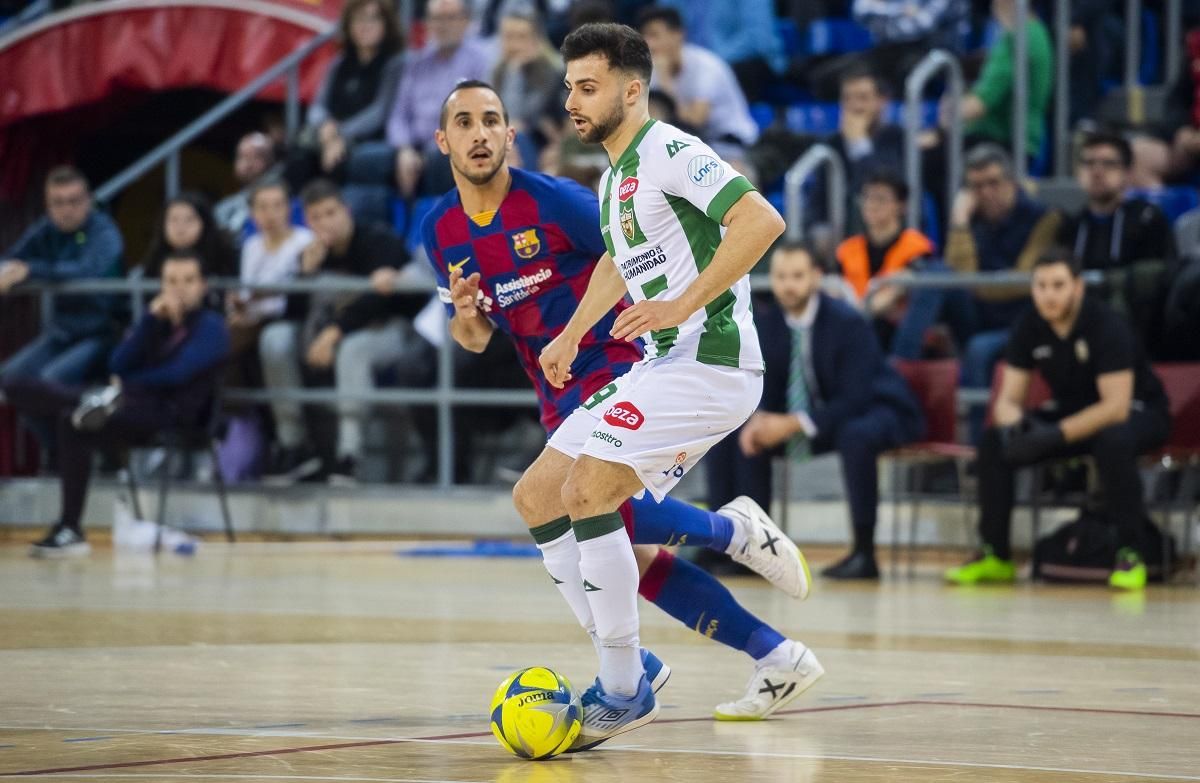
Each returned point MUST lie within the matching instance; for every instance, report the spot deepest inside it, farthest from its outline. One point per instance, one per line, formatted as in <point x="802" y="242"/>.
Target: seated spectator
<point x="1107" y="403"/>
<point x="1111" y="231"/>
<point x="1130" y="239"/>
<point x="739" y="33"/>
<point x="885" y="248"/>
<point x="164" y="375"/>
<point x="344" y="137"/>
<point x="987" y="107"/>
<point x="429" y="76"/>
<point x="354" y="334"/>
<point x="864" y="141"/>
<point x="270" y="256"/>
<point x="707" y="95"/>
<point x="1184" y="112"/>
<point x="994" y="227"/>
<point x="1094" y="42"/>
<point x="187" y="222"/>
<point x="903" y="32"/>
<point x="76" y="241"/>
<point x="528" y="79"/>
<point x="254" y="158"/>
<point x="838" y="394"/>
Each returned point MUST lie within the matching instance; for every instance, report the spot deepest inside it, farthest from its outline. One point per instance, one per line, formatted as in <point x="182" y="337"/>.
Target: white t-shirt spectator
<point x="260" y="265"/>
<point x="705" y="77"/>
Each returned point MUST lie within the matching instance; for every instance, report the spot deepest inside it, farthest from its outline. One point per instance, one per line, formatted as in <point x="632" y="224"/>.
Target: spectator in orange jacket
<point x="885" y="248"/>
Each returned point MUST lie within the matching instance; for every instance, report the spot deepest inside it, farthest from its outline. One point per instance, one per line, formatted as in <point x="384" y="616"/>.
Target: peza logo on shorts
<point x="624" y="414"/>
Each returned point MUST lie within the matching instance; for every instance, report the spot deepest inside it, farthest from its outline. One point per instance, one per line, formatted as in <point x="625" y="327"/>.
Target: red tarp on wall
<point x="81" y="57"/>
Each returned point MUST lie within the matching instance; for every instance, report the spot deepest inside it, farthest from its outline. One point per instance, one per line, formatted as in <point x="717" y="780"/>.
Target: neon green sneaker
<point x="1130" y="573"/>
<point x="986" y="569"/>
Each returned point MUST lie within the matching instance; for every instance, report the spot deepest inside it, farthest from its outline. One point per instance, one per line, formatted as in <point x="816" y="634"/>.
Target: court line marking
<point x="469" y="735"/>
<point x="239" y="776"/>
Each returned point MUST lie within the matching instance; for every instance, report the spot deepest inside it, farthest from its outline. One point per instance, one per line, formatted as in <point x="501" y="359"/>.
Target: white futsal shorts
<point x="660" y="418"/>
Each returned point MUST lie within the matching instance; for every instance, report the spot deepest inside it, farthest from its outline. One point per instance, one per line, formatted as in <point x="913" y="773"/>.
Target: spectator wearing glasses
<point x="995" y="227"/>
<point x="163" y="375"/>
<point x="1112" y="231"/>
<point x="75" y="241"/>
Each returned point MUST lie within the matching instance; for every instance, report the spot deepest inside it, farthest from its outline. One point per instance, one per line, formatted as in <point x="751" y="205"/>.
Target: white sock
<point x="738" y="539"/>
<point x="782" y="655"/>
<point x="561" y="558"/>
<point x="610" y="582"/>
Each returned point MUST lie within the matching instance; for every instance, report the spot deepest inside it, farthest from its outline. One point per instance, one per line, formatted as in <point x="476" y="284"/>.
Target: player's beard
<point x="606" y="126"/>
<point x="482" y="179"/>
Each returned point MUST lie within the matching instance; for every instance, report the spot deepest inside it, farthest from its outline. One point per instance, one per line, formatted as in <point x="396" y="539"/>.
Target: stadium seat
<point x="763" y="114"/>
<point x="203" y="436"/>
<point x="1181" y="453"/>
<point x="1173" y="201"/>
<point x="789" y="35"/>
<point x="835" y="36"/>
<point x="935" y="385"/>
<point x="399" y="210"/>
<point x="812" y="117"/>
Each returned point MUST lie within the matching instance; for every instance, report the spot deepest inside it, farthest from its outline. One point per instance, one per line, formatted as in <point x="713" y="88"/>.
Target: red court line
<point x="377" y="743"/>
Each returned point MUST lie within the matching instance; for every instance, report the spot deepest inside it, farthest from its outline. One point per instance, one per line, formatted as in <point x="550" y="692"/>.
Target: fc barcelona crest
<point x="526" y="243"/>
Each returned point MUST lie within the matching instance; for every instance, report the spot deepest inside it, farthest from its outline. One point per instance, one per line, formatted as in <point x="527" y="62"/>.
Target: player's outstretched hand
<point x="556" y="360"/>
<point x="648" y="316"/>
<point x="464" y="293"/>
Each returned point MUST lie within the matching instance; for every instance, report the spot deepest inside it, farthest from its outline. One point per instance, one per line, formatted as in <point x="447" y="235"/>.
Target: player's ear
<point x="439" y="136"/>
<point x="510" y="138"/>
<point x="635" y="90"/>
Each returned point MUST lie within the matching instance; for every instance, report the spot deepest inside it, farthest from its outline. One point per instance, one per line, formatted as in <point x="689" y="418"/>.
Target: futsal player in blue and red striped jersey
<point x="513" y="251"/>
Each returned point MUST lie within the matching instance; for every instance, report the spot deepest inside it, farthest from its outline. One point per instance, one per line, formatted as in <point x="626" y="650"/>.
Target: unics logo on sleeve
<point x="629" y="224"/>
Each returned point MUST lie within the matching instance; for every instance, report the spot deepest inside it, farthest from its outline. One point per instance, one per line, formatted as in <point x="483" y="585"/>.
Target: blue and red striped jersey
<point x="534" y="256"/>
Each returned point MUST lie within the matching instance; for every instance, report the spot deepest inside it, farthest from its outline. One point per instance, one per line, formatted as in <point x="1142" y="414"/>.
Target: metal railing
<point x="169" y="151"/>
<point x="443" y="396"/>
<point x="26" y="15"/>
<point x="835" y="190"/>
<point x="1062" y="88"/>
<point x="1020" y="107"/>
<point x="936" y="62"/>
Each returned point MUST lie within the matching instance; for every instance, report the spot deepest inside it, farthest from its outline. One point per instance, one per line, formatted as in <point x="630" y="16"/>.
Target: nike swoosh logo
<point x="460" y="264"/>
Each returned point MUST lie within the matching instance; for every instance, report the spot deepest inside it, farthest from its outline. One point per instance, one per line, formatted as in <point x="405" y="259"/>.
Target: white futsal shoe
<point x="774" y="685"/>
<point x="766" y="549"/>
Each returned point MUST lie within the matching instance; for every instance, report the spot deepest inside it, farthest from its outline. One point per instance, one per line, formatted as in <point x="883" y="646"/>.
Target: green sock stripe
<point x="601" y="525"/>
<point x="551" y="531"/>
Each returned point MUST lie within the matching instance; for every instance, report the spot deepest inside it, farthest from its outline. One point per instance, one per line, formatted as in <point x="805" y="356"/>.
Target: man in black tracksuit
<point x="1106" y="403"/>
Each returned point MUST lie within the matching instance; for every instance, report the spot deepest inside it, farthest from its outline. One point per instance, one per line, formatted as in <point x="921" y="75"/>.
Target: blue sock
<point x="695" y="598"/>
<point x="675" y="523"/>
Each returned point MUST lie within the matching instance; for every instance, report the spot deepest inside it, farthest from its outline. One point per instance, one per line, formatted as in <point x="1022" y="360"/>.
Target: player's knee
<point x="525" y="498"/>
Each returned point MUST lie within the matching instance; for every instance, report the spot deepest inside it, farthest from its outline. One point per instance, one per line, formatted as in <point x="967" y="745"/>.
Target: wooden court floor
<point x="326" y="662"/>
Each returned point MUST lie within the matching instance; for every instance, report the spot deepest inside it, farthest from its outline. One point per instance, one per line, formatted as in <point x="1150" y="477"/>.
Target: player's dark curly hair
<point x="621" y="45"/>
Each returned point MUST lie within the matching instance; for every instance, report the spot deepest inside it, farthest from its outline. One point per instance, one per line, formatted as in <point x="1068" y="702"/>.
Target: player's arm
<point x="753" y="224"/>
<point x="1116" y="396"/>
<point x="1010" y="401"/>
<point x="604" y="290"/>
<point x="468" y="327"/>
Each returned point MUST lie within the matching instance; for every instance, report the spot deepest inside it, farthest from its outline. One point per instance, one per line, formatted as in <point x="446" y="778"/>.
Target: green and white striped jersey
<point x="661" y="207"/>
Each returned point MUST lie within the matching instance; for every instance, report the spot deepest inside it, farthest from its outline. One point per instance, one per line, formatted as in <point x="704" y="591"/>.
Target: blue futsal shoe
<point x="657" y="672"/>
<point x="606" y="715"/>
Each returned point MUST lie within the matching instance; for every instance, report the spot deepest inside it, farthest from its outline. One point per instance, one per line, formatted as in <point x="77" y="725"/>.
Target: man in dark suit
<point x="827" y="388"/>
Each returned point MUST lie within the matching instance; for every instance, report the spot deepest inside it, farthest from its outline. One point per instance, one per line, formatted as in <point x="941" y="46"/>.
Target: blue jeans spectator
<point x="59" y="358"/>
<point x="980" y="344"/>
